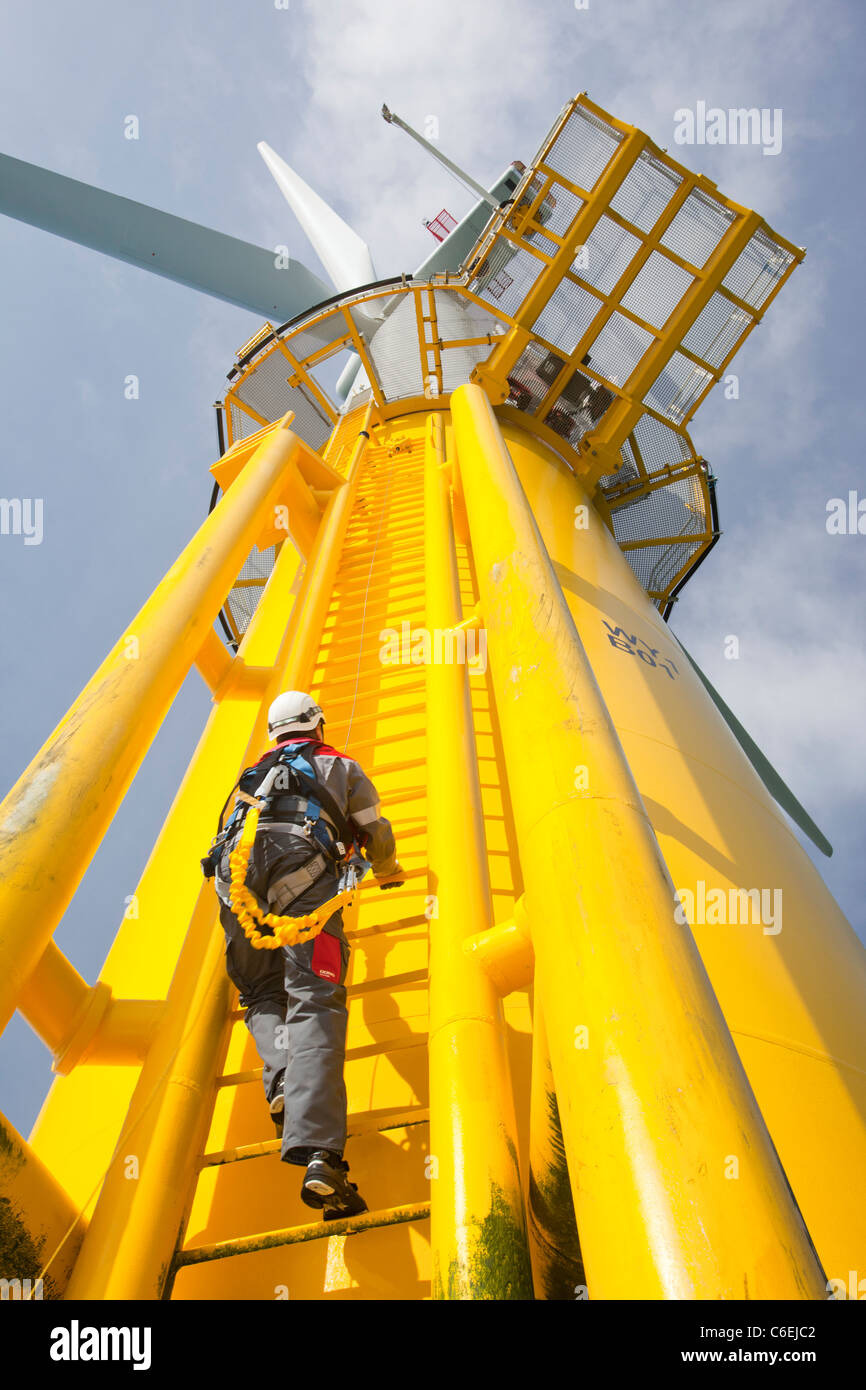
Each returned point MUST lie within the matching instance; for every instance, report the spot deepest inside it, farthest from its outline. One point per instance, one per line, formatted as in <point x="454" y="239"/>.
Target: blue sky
<point x="125" y="482"/>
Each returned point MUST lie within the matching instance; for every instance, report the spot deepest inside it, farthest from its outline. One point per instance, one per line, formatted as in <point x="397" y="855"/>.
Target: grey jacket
<point x="353" y="792"/>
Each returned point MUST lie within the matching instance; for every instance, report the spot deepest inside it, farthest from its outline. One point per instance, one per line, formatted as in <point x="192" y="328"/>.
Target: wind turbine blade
<point x="342" y="252"/>
<point x="192" y="255"/>
<point x="778" y="789"/>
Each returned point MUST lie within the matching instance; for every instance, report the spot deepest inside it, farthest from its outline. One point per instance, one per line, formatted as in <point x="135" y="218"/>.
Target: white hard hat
<point x="293" y="712"/>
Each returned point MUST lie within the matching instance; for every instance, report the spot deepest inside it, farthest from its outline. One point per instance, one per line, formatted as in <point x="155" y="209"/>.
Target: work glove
<point x="392" y="880"/>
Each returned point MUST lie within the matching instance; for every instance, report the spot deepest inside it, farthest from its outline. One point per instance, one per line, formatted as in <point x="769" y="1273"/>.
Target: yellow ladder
<point x="374" y="711"/>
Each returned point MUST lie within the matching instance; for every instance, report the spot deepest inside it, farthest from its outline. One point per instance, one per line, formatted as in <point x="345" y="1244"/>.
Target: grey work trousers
<point x="295" y="1001"/>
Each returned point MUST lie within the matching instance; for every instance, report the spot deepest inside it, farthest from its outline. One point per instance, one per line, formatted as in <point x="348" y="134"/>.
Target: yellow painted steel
<point x="793" y="998"/>
<point x="546" y="807"/>
<point x="372" y="571"/>
<point x="35" y="1215"/>
<point x="132" y="1234"/>
<point x="478" y="1225"/>
<point x="59" y="809"/>
<point x="557" y="1263"/>
<point x="656" y="1102"/>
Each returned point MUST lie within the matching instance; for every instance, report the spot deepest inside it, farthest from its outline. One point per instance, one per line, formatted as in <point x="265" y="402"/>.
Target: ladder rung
<point x="404" y="981"/>
<point x="243" y="1078"/>
<point x="382" y="769"/>
<point x="417" y="920"/>
<point x="355" y="1127"/>
<point x="377" y="716"/>
<point x="356" y="545"/>
<point x="385" y="559"/>
<point x="407" y="832"/>
<point x="396" y="537"/>
<point x="340" y="606"/>
<point x="387" y="483"/>
<point x="403" y="501"/>
<point x="373" y="674"/>
<point x="355" y="1054"/>
<point x="417" y="793"/>
<point x="350" y="632"/>
<point x="297" y="1235"/>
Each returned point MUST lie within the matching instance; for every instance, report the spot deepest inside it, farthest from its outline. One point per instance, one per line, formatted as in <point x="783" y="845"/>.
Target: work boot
<point x="327" y="1186"/>
<point x="278" y="1109"/>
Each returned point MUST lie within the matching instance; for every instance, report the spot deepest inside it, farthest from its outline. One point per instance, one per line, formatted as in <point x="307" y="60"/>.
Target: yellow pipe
<point x="324" y="560"/>
<point x="55" y="998"/>
<point x="213" y="662"/>
<point x="55" y="816"/>
<point x="134" y="1229"/>
<point x="129" y="1242"/>
<point x="681" y="1193"/>
<point x="81" y="1022"/>
<point x="478" y="1225"/>
<point x="557" y="1264"/>
<point x="147" y="948"/>
<point x="504" y="952"/>
<point x="38" y="1216"/>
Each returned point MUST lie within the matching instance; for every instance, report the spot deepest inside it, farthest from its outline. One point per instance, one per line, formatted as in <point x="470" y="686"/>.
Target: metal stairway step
<point x="297" y="1235"/>
<point x="357" y="1125"/>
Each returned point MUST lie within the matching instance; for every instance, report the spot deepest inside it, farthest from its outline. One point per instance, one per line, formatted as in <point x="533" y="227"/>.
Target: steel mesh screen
<point x="645" y="192"/>
<point x="697" y="228"/>
<point x="675" y="510"/>
<point x="758" y="269"/>
<point x="567" y="315"/>
<point x="608" y="252"/>
<point x="528" y="387"/>
<point x="462" y="318"/>
<point x="559" y="209"/>
<point x="717" y="330"/>
<point x="659" y="445"/>
<point x="618" y="348"/>
<point x="267" y="390"/>
<point x="583" y="148"/>
<point x="656" y="290"/>
<point x="395" y="353"/>
<point x="242" y="424"/>
<point x="677" y="387"/>
<point x="522" y="268"/>
<point x="244" y="596"/>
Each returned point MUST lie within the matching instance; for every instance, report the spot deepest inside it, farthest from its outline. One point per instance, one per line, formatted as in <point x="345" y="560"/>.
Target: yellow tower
<point x="603" y="1040"/>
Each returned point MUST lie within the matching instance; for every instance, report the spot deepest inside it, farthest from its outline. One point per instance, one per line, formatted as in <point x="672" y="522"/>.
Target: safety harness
<point x="294" y="800"/>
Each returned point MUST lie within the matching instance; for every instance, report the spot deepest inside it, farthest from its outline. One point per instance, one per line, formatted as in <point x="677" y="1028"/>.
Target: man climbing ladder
<point x="315" y="805"/>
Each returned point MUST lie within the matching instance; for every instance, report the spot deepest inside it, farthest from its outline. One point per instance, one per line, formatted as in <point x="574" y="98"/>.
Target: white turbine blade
<point x="344" y="255"/>
<point x="158" y="242"/>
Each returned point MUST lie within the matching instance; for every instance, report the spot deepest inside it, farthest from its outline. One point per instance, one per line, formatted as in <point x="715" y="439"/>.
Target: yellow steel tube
<point x="129" y="1242"/>
<point x="78" y="1021"/>
<point x="505" y="951"/>
<point x="134" y="1228"/>
<point x="478" y="1225"/>
<point x="169" y="896"/>
<point x="322" y="567"/>
<point x="38" y="1215"/>
<point x="55" y="816"/>
<point x="681" y="1193"/>
<point x="557" y="1265"/>
<point x="55" y="997"/>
